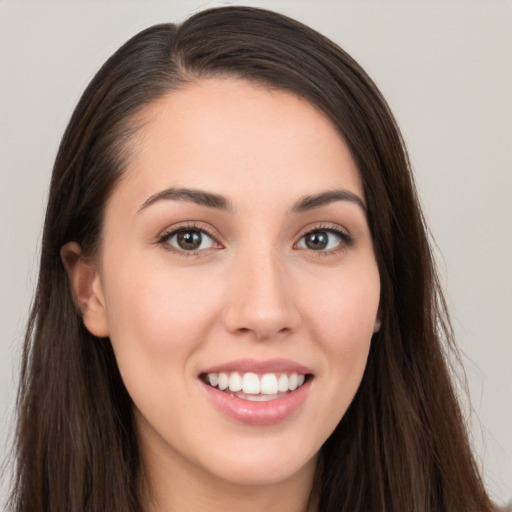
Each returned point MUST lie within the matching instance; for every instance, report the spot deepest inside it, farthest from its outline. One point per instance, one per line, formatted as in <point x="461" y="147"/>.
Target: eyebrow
<point x="325" y="198"/>
<point x="191" y="195"/>
<point x="219" y="202"/>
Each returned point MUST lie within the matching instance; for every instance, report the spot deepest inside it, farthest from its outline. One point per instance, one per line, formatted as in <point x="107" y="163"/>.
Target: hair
<point x="402" y="444"/>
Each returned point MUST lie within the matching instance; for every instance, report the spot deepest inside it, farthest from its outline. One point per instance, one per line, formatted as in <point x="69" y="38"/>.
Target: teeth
<point x="282" y="383"/>
<point x="256" y="385"/>
<point x="292" y="382"/>
<point x="269" y="384"/>
<point x="223" y="380"/>
<point x="235" y="382"/>
<point x="214" y="379"/>
<point x="251" y="384"/>
<point x="259" y="398"/>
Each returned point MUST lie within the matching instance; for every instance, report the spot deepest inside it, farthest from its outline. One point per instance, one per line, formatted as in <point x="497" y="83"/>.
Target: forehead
<point x="240" y="140"/>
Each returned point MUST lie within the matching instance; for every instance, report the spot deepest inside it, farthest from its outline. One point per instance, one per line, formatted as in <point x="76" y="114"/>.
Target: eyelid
<point x="165" y="235"/>
<point x="346" y="240"/>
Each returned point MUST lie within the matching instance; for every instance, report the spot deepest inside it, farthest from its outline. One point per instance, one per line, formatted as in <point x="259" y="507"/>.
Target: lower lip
<point x="258" y="413"/>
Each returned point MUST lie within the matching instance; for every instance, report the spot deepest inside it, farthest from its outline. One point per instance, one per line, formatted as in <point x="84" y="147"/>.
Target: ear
<point x="87" y="290"/>
<point x="378" y="322"/>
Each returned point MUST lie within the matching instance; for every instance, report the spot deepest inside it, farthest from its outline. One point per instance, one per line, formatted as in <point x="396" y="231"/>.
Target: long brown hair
<point x="401" y="446"/>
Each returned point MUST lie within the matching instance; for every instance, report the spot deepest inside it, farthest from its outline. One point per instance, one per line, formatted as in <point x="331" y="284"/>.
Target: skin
<point x="254" y="290"/>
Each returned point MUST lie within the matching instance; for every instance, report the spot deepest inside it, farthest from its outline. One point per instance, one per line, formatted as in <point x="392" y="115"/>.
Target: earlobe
<point x="87" y="290"/>
<point x="378" y="322"/>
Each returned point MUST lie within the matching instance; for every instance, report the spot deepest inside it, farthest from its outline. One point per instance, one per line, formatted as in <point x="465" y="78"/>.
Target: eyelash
<point x="164" y="238"/>
<point x="345" y="240"/>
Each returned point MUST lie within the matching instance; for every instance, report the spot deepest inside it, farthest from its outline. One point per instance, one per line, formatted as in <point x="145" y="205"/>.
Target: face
<point x="237" y="281"/>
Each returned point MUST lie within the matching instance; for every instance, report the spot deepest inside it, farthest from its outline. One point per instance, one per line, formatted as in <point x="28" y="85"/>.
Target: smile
<point x="257" y="392"/>
<point x="255" y="387"/>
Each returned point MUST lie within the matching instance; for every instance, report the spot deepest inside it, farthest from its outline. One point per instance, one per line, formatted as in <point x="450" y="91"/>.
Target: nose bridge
<point x="260" y="297"/>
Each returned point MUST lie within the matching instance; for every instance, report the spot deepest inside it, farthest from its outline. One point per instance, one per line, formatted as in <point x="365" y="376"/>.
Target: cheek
<point x="350" y="297"/>
<point x="158" y="310"/>
<point x="343" y="316"/>
<point x="157" y="320"/>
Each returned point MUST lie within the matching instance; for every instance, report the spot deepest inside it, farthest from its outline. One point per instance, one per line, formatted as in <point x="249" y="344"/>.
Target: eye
<point x="324" y="240"/>
<point x="188" y="240"/>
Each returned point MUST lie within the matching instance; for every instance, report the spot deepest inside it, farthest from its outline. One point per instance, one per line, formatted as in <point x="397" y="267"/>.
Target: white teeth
<point x="251" y="384"/>
<point x="255" y="387"/>
<point x="213" y="378"/>
<point x="269" y="384"/>
<point x="259" y="398"/>
<point x="282" y="383"/>
<point x="223" y="381"/>
<point x="235" y="382"/>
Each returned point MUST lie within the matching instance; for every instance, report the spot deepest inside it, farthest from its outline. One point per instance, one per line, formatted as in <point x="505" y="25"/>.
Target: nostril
<point x="260" y="304"/>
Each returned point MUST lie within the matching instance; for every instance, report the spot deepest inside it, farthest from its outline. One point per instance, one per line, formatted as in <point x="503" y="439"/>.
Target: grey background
<point x="445" y="68"/>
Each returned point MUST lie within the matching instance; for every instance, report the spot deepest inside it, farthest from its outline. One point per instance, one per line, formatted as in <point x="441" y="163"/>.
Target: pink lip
<point x="258" y="413"/>
<point x="260" y="367"/>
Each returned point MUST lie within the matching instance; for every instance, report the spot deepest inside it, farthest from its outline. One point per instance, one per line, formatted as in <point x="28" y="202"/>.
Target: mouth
<point x="257" y="392"/>
<point x="256" y="387"/>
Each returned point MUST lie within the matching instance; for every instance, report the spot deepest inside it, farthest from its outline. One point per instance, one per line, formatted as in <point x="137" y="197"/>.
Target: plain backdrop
<point x="445" y="68"/>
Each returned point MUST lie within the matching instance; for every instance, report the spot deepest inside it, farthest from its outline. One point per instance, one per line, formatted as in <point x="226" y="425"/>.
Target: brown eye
<point x="317" y="241"/>
<point x="324" y="240"/>
<point x="190" y="240"/>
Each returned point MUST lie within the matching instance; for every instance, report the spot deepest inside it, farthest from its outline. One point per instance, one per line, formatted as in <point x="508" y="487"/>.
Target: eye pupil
<point x="317" y="240"/>
<point x="189" y="240"/>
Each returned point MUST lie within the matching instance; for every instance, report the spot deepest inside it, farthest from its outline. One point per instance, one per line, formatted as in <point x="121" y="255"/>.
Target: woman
<point x="237" y="307"/>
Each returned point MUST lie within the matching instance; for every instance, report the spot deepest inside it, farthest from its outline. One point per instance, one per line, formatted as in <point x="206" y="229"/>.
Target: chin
<point x="262" y="468"/>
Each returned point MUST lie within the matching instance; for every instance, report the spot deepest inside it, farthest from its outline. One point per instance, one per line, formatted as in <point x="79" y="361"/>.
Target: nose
<point x="260" y="301"/>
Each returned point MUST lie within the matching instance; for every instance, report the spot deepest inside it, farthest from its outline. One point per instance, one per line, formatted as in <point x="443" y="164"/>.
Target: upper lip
<point x="259" y="366"/>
